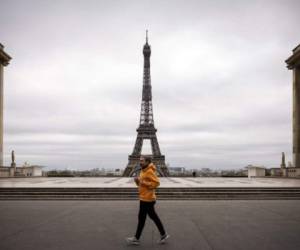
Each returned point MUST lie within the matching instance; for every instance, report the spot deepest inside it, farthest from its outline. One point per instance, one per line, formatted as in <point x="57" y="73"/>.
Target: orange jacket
<point x="148" y="181"/>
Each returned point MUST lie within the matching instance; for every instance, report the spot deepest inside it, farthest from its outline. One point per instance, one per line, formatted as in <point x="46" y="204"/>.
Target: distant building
<point x="24" y="171"/>
<point x="33" y="170"/>
<point x="275" y="171"/>
<point x="176" y="170"/>
<point x="256" y="171"/>
<point x="284" y="171"/>
<point x="291" y="172"/>
<point x="113" y="172"/>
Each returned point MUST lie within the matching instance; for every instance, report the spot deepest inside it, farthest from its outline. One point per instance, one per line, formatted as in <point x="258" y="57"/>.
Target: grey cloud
<point x="221" y="90"/>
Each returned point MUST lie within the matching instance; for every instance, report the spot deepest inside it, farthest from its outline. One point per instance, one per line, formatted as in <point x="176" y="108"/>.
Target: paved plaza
<point x="192" y="224"/>
<point x="91" y="225"/>
<point x="165" y="182"/>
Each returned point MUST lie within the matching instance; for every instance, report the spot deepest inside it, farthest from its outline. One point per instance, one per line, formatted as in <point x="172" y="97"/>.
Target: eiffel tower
<point x="146" y="129"/>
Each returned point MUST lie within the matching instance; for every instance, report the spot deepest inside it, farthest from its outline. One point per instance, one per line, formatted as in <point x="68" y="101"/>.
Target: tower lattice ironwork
<point x="146" y="129"/>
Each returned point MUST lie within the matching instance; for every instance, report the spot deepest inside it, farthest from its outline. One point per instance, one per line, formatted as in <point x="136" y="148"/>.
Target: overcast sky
<point x="222" y="95"/>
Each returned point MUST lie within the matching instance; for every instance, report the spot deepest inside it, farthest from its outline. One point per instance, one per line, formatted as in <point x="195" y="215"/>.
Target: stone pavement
<point x="165" y="182"/>
<point x="89" y="225"/>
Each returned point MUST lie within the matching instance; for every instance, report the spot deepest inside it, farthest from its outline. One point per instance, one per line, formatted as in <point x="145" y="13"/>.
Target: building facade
<point x="4" y="61"/>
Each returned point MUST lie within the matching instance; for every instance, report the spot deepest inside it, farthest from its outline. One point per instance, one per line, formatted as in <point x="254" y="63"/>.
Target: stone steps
<point x="203" y="193"/>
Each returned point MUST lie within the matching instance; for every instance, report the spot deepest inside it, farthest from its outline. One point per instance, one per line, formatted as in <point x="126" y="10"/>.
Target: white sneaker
<point x="132" y="240"/>
<point x="163" y="239"/>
